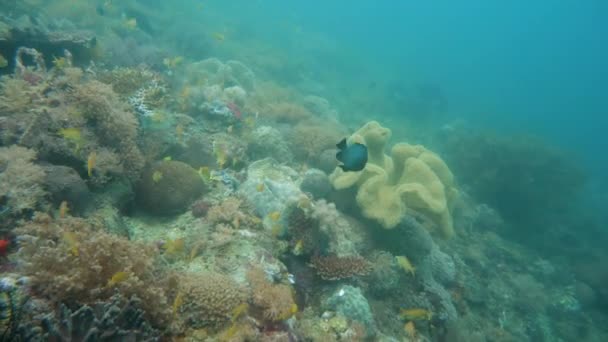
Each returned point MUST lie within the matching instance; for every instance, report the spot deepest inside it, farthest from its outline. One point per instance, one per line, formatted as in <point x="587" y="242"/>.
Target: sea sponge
<point x="169" y="187"/>
<point x="413" y="179"/>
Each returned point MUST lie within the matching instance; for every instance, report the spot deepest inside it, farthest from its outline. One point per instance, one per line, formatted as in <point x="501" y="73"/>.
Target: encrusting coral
<point x="413" y="179"/>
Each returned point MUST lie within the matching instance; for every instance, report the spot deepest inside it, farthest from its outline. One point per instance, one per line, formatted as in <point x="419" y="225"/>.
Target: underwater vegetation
<point x="153" y="192"/>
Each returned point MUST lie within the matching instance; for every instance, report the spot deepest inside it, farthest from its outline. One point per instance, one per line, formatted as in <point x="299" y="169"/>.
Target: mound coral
<point x="413" y="179"/>
<point x="209" y="299"/>
<point x="168" y="187"/>
<point x="337" y="268"/>
<point x="311" y="137"/>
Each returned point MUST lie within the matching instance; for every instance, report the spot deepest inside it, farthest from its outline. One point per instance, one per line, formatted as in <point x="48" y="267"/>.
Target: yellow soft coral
<point x="413" y="179"/>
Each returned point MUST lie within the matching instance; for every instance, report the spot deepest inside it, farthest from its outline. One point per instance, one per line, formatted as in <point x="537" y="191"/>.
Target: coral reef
<point x="208" y="299"/>
<point x="268" y="142"/>
<point x="350" y="302"/>
<point x="169" y="187"/>
<point x="69" y="260"/>
<point x="345" y="236"/>
<point x="412" y="179"/>
<point x="316" y="183"/>
<point x="337" y="268"/>
<point x="21" y="181"/>
<point x="275" y="300"/>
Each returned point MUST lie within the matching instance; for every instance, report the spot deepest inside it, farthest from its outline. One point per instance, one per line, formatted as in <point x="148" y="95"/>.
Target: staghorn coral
<point x="20" y="180"/>
<point x="70" y="260"/>
<point x="412" y="179"/>
<point x="337" y="268"/>
<point x="275" y="300"/>
<point x="209" y="299"/>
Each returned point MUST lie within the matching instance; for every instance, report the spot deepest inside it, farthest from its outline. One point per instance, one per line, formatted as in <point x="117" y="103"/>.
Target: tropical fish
<point x="174" y="62"/>
<point x="177" y="302"/>
<point x="220" y="156"/>
<point x="219" y="36"/>
<point x="298" y="248"/>
<point x="275" y="215"/>
<point x="260" y="187"/>
<point x="353" y="157"/>
<point x="3" y="62"/>
<point x="205" y="173"/>
<point x="406" y="265"/>
<point x="73" y="135"/>
<point x="179" y="132"/>
<point x="416" y="314"/>
<point x="168" y="158"/>
<point x="230" y="129"/>
<point x="157" y="176"/>
<point x="91" y="163"/>
<point x="63" y="209"/>
<point x="130" y="23"/>
<point x="239" y="311"/>
<point x="173" y="247"/>
<point x="72" y="242"/>
<point x="117" y="278"/>
<point x="410" y="329"/>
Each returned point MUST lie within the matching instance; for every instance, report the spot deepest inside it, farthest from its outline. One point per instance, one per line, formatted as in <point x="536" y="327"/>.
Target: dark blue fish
<point x="353" y="157"/>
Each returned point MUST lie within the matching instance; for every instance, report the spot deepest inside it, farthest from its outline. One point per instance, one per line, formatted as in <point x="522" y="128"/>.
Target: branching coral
<point x="69" y="260"/>
<point x="275" y="300"/>
<point x="20" y="180"/>
<point x="337" y="268"/>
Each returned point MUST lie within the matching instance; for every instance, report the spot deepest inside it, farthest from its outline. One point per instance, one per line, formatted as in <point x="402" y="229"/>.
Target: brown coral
<point x="20" y="179"/>
<point x="234" y="212"/>
<point x="70" y="260"/>
<point x="336" y="268"/>
<point x="274" y="300"/>
<point x="209" y="299"/>
<point x="310" y="138"/>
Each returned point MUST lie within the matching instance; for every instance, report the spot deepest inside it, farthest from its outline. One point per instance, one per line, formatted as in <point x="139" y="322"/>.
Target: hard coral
<point x="337" y="268"/>
<point x="70" y="260"/>
<point x="209" y="299"/>
<point x="309" y="138"/>
<point x="168" y="187"/>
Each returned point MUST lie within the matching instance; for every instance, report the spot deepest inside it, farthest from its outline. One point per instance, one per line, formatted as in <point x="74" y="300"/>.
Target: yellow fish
<point x="239" y="311"/>
<point x="173" y="247"/>
<point x="406" y="265"/>
<point x="230" y="129"/>
<point x="130" y="23"/>
<point x="179" y="132"/>
<point x="410" y="329"/>
<point x="416" y="314"/>
<point x="3" y="62"/>
<point x="275" y="215"/>
<point x="205" y="173"/>
<point x="72" y="241"/>
<point x="298" y="248"/>
<point x="177" y="302"/>
<point x="249" y="121"/>
<point x="260" y="187"/>
<point x="276" y="230"/>
<point x="219" y="37"/>
<point x="174" y="62"/>
<point x="60" y="63"/>
<point x="91" y="163"/>
<point x="73" y="135"/>
<point x="63" y="209"/>
<point x="117" y="278"/>
<point x="167" y="158"/>
<point x="220" y="156"/>
<point x="157" y="176"/>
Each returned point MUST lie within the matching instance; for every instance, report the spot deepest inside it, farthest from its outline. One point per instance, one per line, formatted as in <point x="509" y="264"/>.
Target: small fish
<point x="353" y="157"/>
<point x="4" y="246"/>
<point x="91" y="163"/>
<point x="73" y="135"/>
<point x="260" y="187"/>
<point x="205" y="173"/>
<point x="239" y="311"/>
<point x="275" y="215"/>
<point x="220" y="156"/>
<point x="406" y="265"/>
<point x="276" y="230"/>
<point x="219" y="37"/>
<point x="157" y="176"/>
<point x="230" y="129"/>
<point x="177" y="302"/>
<point x="63" y="209"/>
<point x="3" y="62"/>
<point x="168" y="158"/>
<point x="249" y="121"/>
<point x="410" y="329"/>
<point x="179" y="133"/>
<point x="173" y="247"/>
<point x="117" y="278"/>
<point x="130" y="23"/>
<point x="72" y="242"/>
<point x="298" y="248"/>
<point x="174" y="62"/>
<point x="416" y="314"/>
